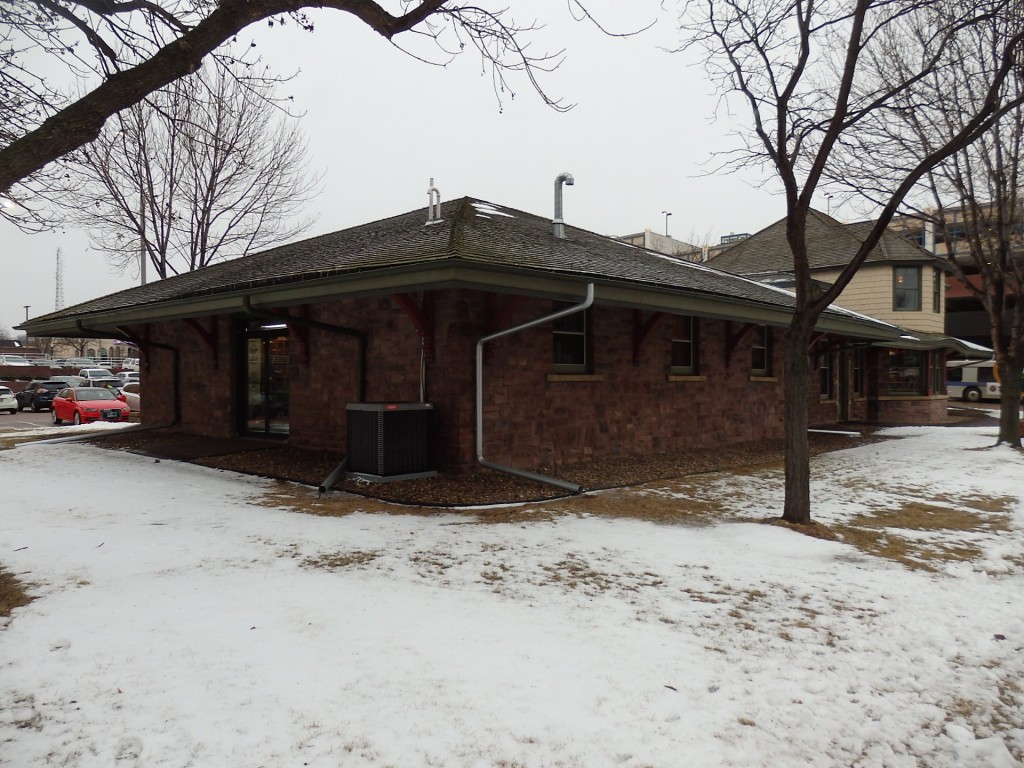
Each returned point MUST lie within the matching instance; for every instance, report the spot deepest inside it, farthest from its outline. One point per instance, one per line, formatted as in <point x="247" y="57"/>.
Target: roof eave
<point x="449" y="274"/>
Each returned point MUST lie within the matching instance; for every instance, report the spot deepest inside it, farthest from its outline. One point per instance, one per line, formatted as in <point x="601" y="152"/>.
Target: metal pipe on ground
<point x="332" y="478"/>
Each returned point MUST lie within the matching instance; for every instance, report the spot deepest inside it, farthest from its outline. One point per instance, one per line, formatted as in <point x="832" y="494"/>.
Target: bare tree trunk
<point x="797" y="505"/>
<point x="1009" y="403"/>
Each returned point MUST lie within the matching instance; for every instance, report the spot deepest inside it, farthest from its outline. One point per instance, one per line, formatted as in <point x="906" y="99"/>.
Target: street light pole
<point x="666" y="215"/>
<point x="26" y="312"/>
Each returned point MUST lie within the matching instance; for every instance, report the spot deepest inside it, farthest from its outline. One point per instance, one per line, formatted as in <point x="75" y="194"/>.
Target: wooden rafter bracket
<point x="209" y="336"/>
<point x="642" y="329"/>
<point x="732" y="340"/>
<point x="422" y="318"/>
<point x="141" y="340"/>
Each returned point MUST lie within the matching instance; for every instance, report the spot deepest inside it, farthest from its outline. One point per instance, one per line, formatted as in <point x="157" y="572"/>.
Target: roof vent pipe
<point x="433" y="203"/>
<point x="558" y="224"/>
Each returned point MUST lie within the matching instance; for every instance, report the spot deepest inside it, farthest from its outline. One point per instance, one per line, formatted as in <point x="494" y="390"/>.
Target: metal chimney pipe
<point x="557" y="224"/>
<point x="433" y="203"/>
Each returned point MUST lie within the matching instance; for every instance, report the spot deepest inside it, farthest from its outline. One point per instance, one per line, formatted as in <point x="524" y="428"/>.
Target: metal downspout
<point x="269" y="314"/>
<point x="572" y="487"/>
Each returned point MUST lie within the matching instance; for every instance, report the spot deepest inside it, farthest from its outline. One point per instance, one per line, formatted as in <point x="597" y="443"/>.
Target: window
<point x="684" y="346"/>
<point x="906" y="289"/>
<point x="937" y="360"/>
<point x="761" y="352"/>
<point x="569" y="336"/>
<point x="937" y="290"/>
<point x="906" y="372"/>
<point x="825" y="388"/>
<point x="858" y="372"/>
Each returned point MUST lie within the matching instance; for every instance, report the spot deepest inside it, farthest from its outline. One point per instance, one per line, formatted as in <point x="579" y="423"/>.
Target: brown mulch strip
<point x="485" y="487"/>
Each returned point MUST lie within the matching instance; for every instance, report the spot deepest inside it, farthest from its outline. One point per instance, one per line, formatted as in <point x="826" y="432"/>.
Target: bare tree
<point x="202" y="170"/>
<point x="796" y="66"/>
<point x="973" y="201"/>
<point x="134" y="48"/>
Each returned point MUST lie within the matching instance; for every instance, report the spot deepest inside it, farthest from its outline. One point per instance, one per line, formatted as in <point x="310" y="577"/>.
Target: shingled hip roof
<point x="474" y="244"/>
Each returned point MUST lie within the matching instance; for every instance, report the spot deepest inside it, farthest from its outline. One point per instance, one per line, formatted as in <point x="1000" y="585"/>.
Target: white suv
<point x="14" y="360"/>
<point x="95" y="373"/>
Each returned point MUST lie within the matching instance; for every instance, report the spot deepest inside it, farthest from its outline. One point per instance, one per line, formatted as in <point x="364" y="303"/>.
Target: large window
<point x="761" y="352"/>
<point x="906" y="289"/>
<point x="937" y="276"/>
<point x="570" y="344"/>
<point x="906" y="372"/>
<point x="684" y="346"/>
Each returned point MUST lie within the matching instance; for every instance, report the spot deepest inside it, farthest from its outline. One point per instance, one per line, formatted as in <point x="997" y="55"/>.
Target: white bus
<point x="972" y="380"/>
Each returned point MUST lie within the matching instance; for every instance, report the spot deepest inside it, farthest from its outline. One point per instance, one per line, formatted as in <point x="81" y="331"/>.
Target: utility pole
<point x="58" y="301"/>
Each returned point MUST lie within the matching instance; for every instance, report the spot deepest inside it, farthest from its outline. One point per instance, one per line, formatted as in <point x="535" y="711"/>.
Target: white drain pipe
<point x="573" y="487"/>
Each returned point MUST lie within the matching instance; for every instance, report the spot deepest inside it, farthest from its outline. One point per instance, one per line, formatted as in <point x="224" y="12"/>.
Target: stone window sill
<point x="575" y="377"/>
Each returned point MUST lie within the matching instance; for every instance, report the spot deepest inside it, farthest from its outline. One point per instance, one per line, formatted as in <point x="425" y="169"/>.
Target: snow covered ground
<point x="181" y="622"/>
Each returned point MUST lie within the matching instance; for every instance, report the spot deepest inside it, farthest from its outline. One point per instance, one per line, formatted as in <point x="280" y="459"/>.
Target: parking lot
<point x="24" y="420"/>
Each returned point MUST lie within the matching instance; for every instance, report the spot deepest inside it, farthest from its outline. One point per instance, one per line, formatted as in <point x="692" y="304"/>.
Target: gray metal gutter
<point x="572" y="487"/>
<point x="439" y="275"/>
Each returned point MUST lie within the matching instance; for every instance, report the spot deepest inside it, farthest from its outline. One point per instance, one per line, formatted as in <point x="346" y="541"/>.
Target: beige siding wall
<point x="870" y="293"/>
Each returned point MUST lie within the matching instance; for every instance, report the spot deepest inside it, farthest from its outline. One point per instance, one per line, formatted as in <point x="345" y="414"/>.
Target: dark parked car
<point x="39" y="394"/>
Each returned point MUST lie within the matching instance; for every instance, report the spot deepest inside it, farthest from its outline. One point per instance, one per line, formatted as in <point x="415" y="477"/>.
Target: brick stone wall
<point x="531" y="418"/>
<point x="914" y="410"/>
<point x="207" y="378"/>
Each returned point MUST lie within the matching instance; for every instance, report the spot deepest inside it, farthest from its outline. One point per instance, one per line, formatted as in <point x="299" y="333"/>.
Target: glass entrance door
<point x="266" y="355"/>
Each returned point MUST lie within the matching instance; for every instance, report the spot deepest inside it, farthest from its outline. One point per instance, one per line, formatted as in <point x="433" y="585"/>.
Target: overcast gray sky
<point x="380" y="124"/>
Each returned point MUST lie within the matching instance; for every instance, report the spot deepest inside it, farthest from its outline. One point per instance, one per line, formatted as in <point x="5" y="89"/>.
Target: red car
<point x="84" y="404"/>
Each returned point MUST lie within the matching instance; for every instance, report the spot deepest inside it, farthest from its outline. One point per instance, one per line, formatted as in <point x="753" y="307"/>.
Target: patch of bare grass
<point x="573" y="572"/>
<point x="644" y="503"/>
<point x="308" y="501"/>
<point x="12" y="593"/>
<point x="335" y="561"/>
<point x="914" y="554"/>
<point x="924" y="516"/>
<point x="813" y="529"/>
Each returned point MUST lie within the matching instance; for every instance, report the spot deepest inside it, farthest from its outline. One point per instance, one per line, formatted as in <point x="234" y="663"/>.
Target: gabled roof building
<point x="899" y="282"/>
